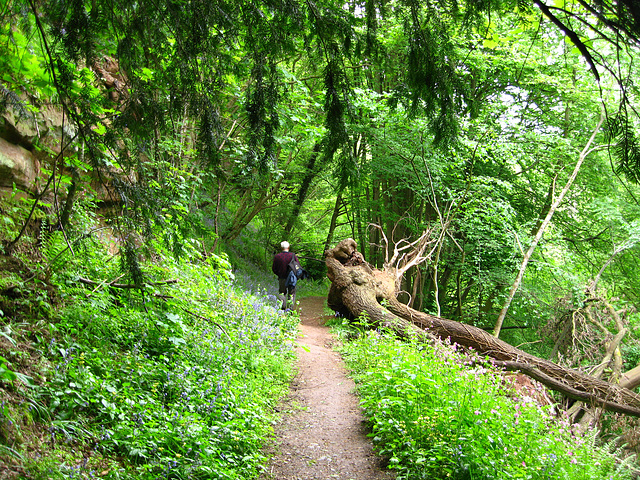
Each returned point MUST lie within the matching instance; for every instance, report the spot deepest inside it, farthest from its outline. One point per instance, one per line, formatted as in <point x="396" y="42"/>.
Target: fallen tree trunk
<point x="631" y="378"/>
<point x="358" y="289"/>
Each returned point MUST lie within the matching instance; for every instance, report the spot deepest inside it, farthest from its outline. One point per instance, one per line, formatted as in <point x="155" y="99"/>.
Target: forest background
<point x="506" y="129"/>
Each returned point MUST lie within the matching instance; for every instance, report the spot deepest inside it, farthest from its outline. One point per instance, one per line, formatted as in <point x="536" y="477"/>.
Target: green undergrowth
<point x="436" y="415"/>
<point x="178" y="380"/>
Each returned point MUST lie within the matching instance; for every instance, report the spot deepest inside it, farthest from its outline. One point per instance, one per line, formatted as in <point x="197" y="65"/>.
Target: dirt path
<point x="322" y="435"/>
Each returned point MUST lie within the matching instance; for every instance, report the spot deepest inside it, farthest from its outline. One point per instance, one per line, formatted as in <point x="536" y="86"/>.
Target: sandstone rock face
<point x="48" y="129"/>
<point x="54" y="129"/>
<point x="17" y="165"/>
<point x="19" y="128"/>
<point x="20" y="132"/>
<point x="45" y="128"/>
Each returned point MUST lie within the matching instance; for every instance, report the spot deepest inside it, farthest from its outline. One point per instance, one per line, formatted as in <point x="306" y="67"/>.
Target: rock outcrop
<point x="18" y="166"/>
<point x="25" y="140"/>
<point x="28" y="139"/>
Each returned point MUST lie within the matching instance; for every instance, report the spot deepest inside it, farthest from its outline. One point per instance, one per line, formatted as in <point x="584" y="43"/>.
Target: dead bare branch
<point x="358" y="289"/>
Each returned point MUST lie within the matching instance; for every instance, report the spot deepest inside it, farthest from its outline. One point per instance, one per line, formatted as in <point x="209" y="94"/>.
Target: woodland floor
<point x="322" y="434"/>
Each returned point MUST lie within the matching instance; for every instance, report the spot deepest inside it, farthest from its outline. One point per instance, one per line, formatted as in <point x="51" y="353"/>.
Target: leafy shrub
<point x="436" y="417"/>
<point x="631" y="355"/>
<point x="179" y="382"/>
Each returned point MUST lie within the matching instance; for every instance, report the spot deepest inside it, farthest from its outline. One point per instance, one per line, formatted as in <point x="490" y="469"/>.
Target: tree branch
<point x="87" y="281"/>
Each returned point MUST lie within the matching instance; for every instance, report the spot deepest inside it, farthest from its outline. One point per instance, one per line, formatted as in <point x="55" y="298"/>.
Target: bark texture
<point x="357" y="289"/>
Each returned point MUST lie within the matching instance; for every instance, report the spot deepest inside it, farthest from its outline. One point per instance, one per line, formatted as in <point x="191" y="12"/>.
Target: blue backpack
<point x="291" y="280"/>
<point x="295" y="271"/>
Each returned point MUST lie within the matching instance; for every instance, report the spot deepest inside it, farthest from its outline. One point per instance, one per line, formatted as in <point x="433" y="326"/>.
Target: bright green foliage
<point x="258" y="121"/>
<point x="179" y="381"/>
<point x="22" y="63"/>
<point x="438" y="416"/>
<point x="6" y="375"/>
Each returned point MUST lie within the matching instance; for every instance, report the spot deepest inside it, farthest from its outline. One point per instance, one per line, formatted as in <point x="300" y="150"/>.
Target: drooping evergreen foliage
<point x="182" y="67"/>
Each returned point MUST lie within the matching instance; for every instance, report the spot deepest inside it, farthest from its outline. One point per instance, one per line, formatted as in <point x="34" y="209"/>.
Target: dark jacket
<point x="280" y="263"/>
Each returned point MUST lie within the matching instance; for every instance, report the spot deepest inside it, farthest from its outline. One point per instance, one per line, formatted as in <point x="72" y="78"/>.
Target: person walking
<point x="280" y="267"/>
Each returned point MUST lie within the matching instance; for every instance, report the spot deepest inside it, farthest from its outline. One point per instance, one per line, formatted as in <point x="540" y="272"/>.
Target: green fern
<point x="610" y="453"/>
<point x="54" y="248"/>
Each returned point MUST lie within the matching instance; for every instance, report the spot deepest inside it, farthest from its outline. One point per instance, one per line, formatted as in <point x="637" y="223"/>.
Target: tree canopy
<point x="374" y="120"/>
<point x="181" y="60"/>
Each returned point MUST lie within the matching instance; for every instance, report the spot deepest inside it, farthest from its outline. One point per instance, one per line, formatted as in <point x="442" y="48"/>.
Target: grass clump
<point x="437" y="417"/>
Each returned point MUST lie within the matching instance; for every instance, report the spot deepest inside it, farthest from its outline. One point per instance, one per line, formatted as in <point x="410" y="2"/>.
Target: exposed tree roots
<point x="358" y="289"/>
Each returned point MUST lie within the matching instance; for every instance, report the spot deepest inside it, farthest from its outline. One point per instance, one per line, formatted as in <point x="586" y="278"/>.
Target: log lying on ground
<point x="357" y="288"/>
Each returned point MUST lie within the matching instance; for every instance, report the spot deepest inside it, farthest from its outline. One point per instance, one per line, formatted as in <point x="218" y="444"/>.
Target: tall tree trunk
<point x="310" y="172"/>
<point x="414" y="289"/>
<point x="374" y="236"/>
<point x="525" y="261"/>
<point x="68" y="204"/>
<point x="460" y="314"/>
<point x="334" y="221"/>
<point x="443" y="284"/>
